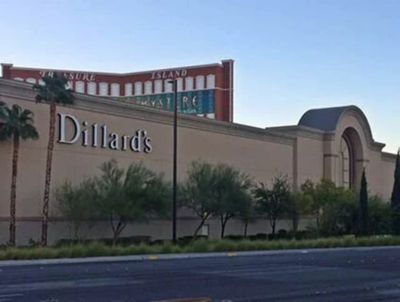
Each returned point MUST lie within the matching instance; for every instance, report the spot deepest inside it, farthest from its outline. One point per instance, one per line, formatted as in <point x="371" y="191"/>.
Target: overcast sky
<point x="290" y="56"/>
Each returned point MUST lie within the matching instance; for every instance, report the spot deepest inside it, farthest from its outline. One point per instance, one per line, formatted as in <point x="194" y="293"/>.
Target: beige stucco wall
<point x="309" y="159"/>
<point x="308" y="153"/>
<point x="380" y="174"/>
<point x="260" y="159"/>
<point x="253" y="151"/>
<point x="297" y="152"/>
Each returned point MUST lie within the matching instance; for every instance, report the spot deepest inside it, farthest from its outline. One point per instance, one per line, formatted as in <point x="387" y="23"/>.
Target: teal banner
<point x="191" y="102"/>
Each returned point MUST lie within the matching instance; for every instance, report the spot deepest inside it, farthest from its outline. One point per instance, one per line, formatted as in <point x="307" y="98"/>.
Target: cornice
<point x="117" y="74"/>
<point x="298" y="131"/>
<point x="23" y="91"/>
<point x="391" y="157"/>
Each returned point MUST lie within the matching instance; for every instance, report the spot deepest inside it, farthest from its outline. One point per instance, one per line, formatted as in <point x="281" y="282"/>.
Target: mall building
<point x="332" y="143"/>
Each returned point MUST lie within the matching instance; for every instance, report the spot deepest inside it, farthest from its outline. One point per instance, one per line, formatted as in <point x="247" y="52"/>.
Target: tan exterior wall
<point x="260" y="159"/>
<point x="251" y="150"/>
<point x="311" y="162"/>
<point x="297" y="152"/>
<point x="380" y="174"/>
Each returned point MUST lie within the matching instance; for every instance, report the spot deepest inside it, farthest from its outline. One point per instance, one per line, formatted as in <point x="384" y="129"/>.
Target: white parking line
<point x="10" y="295"/>
<point x="61" y="284"/>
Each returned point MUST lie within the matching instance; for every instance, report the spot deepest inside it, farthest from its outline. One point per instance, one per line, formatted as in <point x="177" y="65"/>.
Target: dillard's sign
<point x="95" y="135"/>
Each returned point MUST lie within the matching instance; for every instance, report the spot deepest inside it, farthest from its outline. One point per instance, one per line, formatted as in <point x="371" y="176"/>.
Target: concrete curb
<point x="155" y="257"/>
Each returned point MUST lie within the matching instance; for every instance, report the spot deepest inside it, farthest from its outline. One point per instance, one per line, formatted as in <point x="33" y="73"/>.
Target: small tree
<point x="313" y="198"/>
<point x="247" y="214"/>
<point x="395" y="199"/>
<point x="308" y="201"/>
<point x="231" y="193"/>
<point x="215" y="190"/>
<point x="378" y="213"/>
<point x="54" y="91"/>
<point x="197" y="191"/>
<point x="78" y="204"/>
<point x="363" y="207"/>
<point x="294" y="210"/>
<point x="273" y="202"/>
<point x="135" y="195"/>
<point x="339" y="209"/>
<point x="16" y="124"/>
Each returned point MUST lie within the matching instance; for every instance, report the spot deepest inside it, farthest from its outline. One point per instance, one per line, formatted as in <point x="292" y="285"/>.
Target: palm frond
<point x="54" y="90"/>
<point x="17" y="121"/>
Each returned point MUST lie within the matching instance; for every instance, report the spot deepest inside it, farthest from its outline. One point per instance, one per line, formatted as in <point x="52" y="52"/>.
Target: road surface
<point x="371" y="274"/>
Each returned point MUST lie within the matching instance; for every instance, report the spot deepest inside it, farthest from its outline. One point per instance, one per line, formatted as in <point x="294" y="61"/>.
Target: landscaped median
<point x="199" y="246"/>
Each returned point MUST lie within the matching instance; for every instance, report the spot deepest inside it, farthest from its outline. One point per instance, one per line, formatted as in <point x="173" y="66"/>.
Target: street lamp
<point x="174" y="160"/>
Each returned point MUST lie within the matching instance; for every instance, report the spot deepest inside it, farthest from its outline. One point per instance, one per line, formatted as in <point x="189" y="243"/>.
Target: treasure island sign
<point x="70" y="75"/>
<point x="195" y="102"/>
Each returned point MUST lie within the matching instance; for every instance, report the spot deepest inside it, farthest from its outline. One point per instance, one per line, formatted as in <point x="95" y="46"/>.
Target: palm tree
<point x="53" y="92"/>
<point x="16" y="124"/>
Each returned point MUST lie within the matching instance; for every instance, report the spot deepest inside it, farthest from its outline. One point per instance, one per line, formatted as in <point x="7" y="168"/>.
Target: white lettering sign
<point x="94" y="136"/>
<point x="168" y="74"/>
<point x="71" y="76"/>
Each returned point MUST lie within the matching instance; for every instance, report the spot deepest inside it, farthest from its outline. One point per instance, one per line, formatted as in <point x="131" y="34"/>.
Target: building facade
<point x="332" y="143"/>
<point x="203" y="90"/>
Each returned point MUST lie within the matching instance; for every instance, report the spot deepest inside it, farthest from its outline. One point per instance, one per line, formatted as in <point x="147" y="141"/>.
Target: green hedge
<point x="199" y="246"/>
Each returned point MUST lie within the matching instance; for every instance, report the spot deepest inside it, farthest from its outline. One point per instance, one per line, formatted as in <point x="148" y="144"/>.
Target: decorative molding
<point x="362" y="160"/>
<point x="122" y="74"/>
<point x="362" y="119"/>
<point x="331" y="155"/>
<point x="301" y="131"/>
<point x="390" y="157"/>
<point x="23" y="91"/>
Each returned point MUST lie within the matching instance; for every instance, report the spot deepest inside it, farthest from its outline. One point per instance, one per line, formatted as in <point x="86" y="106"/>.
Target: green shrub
<point x="339" y="217"/>
<point x="258" y="236"/>
<point x="224" y="246"/>
<point x="169" y="248"/>
<point x="234" y="237"/>
<point x="379" y="216"/>
<point x="96" y="249"/>
<point x="139" y="249"/>
<point x="198" y="246"/>
<point x="189" y="239"/>
<point x="78" y="251"/>
<point x="246" y="245"/>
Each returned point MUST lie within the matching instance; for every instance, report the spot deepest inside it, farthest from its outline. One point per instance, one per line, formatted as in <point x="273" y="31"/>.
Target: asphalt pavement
<point x="370" y="274"/>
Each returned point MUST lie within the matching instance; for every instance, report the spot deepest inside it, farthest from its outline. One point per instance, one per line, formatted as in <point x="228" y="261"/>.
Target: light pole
<point x="174" y="160"/>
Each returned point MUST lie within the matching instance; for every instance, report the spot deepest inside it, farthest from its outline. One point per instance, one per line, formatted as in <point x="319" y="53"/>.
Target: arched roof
<point x="324" y="119"/>
<point x="327" y="119"/>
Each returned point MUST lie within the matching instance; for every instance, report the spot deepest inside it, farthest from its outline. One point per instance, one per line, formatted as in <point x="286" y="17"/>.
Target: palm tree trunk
<point x="49" y="160"/>
<point x="14" y="189"/>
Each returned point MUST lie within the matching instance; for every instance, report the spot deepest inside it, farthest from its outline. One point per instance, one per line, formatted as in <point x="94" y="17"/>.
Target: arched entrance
<point x="350" y="158"/>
